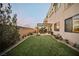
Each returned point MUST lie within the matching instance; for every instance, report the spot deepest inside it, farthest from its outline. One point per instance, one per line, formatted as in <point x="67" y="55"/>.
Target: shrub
<point x="67" y="41"/>
<point x="55" y="36"/>
<point x="58" y="36"/>
<point x="76" y="45"/>
<point x="51" y="33"/>
<point x="42" y="30"/>
<point x="29" y="34"/>
<point x="23" y="36"/>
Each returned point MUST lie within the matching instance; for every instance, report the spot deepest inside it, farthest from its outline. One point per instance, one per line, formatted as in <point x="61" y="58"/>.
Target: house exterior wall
<point x="60" y="15"/>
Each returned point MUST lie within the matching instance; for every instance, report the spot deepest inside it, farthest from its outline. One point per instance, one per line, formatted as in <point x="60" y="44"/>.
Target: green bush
<point x="76" y="45"/>
<point x="67" y="41"/>
<point x="42" y="30"/>
<point x="51" y="33"/>
<point x="58" y="36"/>
<point x="29" y="34"/>
<point x="9" y="34"/>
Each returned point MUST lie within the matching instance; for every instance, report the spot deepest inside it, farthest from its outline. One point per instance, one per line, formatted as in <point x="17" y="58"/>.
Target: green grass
<point x="42" y="46"/>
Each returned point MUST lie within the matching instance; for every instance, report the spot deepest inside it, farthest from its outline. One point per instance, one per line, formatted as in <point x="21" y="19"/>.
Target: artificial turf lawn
<point x="42" y="46"/>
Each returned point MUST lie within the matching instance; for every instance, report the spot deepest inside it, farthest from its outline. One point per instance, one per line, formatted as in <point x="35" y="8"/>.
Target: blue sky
<point x="30" y="14"/>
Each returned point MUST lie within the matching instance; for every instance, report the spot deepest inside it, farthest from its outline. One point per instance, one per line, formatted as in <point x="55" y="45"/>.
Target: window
<point x="68" y="25"/>
<point x="72" y="24"/>
<point x="56" y="26"/>
<point x="76" y="23"/>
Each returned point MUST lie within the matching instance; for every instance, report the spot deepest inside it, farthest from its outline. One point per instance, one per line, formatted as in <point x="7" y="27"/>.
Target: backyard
<point x="44" y="45"/>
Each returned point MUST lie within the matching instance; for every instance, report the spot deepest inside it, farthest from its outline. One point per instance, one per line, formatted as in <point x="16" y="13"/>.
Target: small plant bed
<point x="42" y="46"/>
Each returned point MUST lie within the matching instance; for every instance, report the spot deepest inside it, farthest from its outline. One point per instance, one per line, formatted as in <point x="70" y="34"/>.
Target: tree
<point x="14" y="19"/>
<point x="8" y="29"/>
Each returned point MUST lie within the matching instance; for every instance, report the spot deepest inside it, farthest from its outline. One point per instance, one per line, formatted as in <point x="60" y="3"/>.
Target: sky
<point x="29" y="14"/>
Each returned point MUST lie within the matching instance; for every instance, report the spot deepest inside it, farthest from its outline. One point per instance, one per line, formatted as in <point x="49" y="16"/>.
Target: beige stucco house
<point x="64" y="18"/>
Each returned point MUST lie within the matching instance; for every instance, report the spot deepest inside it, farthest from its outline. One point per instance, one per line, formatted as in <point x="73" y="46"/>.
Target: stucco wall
<point x="62" y="14"/>
<point x="25" y="31"/>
